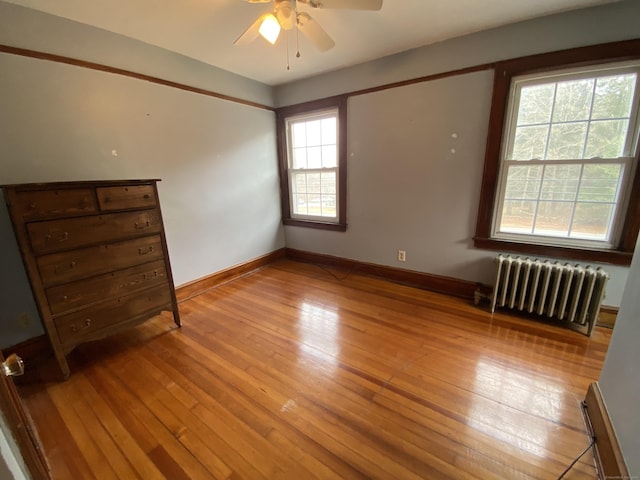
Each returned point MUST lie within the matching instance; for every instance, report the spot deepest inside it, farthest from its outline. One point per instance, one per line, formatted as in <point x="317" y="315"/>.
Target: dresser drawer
<point x="58" y="268"/>
<point x="56" y="235"/>
<point x="71" y="296"/>
<point x="32" y="204"/>
<point x="126" y="197"/>
<point x="89" y="323"/>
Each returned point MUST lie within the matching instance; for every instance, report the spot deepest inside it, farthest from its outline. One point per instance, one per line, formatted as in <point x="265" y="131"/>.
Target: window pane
<point x="600" y="183"/>
<point x="613" y="96"/>
<point x="299" y="134"/>
<point x="328" y="205"/>
<point x="329" y="131"/>
<point x="299" y="158"/>
<point x="329" y="156"/>
<point x="535" y="104"/>
<point x="300" y="205"/>
<point x="553" y="218"/>
<point x="313" y="133"/>
<point x="560" y="182"/>
<point x="607" y="139"/>
<point x="523" y="182"/>
<point x="573" y="100"/>
<point x="314" y="157"/>
<point x="315" y="205"/>
<point x="328" y="180"/>
<point x="566" y="141"/>
<point x="530" y="142"/>
<point x="517" y="216"/>
<point x="329" y="194"/>
<point x="299" y="183"/>
<point x="313" y="183"/>
<point x="592" y="221"/>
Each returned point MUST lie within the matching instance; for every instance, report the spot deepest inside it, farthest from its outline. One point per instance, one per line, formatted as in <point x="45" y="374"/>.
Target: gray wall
<point x="19" y="318"/>
<point x="218" y="163"/>
<point x="11" y="464"/>
<point x="30" y="29"/>
<point x="620" y="376"/>
<point x="406" y="190"/>
<point x="217" y="159"/>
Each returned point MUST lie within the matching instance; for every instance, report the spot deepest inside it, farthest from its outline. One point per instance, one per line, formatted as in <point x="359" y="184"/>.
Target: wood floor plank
<point x="262" y="418"/>
<point x="135" y="455"/>
<point x="63" y="455"/>
<point x="303" y="372"/>
<point x="86" y="432"/>
<point x="148" y="430"/>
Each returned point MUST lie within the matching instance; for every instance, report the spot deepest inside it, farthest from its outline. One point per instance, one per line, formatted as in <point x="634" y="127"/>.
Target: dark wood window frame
<point x="339" y="102"/>
<point x="504" y="72"/>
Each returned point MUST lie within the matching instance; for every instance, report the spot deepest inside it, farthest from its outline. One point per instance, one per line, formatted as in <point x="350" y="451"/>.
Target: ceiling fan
<point x="285" y="16"/>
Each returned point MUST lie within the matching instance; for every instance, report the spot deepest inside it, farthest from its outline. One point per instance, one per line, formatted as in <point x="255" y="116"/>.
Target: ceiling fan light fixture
<point x="269" y="28"/>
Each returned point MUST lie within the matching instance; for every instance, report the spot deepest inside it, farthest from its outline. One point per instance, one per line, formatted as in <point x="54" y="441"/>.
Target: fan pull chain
<point x="297" y="42"/>
<point x="288" y="66"/>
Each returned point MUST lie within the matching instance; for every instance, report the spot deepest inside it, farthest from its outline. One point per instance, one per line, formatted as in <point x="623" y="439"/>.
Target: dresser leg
<point x="62" y="363"/>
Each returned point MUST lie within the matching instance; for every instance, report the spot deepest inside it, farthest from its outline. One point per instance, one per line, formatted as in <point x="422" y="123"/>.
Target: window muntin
<point x="567" y="157"/>
<point x="312" y="165"/>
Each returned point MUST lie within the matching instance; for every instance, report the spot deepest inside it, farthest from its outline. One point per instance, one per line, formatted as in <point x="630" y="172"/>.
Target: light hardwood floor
<point x="301" y="372"/>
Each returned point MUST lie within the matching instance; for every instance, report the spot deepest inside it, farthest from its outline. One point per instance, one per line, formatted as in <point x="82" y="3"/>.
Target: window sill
<point x="614" y="257"/>
<point x="336" y="227"/>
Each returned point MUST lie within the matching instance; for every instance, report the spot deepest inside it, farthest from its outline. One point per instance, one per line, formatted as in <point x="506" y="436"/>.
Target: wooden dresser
<point x="96" y="257"/>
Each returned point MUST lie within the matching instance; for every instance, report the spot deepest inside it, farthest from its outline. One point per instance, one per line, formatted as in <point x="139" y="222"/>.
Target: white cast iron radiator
<point x="571" y="293"/>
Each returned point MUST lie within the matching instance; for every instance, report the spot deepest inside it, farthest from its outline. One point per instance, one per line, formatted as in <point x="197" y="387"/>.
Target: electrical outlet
<point x="25" y="320"/>
<point x="402" y="256"/>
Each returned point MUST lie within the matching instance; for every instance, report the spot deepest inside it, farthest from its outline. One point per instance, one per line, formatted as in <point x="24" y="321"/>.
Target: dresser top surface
<point x="76" y="184"/>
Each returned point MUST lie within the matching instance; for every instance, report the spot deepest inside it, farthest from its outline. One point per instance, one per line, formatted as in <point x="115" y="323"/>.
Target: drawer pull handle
<point x="63" y="237"/>
<point x="148" y="276"/>
<point x="142" y="225"/>
<point x="59" y="269"/>
<point x="32" y="206"/>
<point x="65" y="298"/>
<point x="86" y="324"/>
<point x="146" y="196"/>
<point x="144" y="251"/>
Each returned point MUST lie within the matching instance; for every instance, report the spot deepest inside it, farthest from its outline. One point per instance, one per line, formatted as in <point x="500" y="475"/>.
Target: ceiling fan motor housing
<point x="285" y="13"/>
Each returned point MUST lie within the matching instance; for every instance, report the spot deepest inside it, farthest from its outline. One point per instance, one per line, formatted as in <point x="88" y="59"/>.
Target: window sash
<point x="293" y="193"/>
<point x="565" y="75"/>
<point x="619" y="204"/>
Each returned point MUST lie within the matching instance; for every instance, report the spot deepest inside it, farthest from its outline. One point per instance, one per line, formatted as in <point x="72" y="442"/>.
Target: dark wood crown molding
<point x="127" y="73"/>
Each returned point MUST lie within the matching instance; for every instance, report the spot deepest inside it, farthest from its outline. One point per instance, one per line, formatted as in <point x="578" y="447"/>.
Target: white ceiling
<point x="206" y="29"/>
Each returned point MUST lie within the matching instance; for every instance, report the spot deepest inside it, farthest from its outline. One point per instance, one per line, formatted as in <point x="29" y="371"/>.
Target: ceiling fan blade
<point x="250" y="34"/>
<point x="314" y="32"/>
<point x="344" y="4"/>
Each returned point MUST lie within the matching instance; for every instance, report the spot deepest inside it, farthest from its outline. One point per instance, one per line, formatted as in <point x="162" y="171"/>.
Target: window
<point x="312" y="164"/>
<point x="564" y="163"/>
<point x="312" y="160"/>
<point x="567" y="156"/>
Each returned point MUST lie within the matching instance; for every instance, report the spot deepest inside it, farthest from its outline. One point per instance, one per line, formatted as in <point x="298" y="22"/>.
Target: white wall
<point x="620" y="376"/>
<point x="217" y="159"/>
<point x="405" y="189"/>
